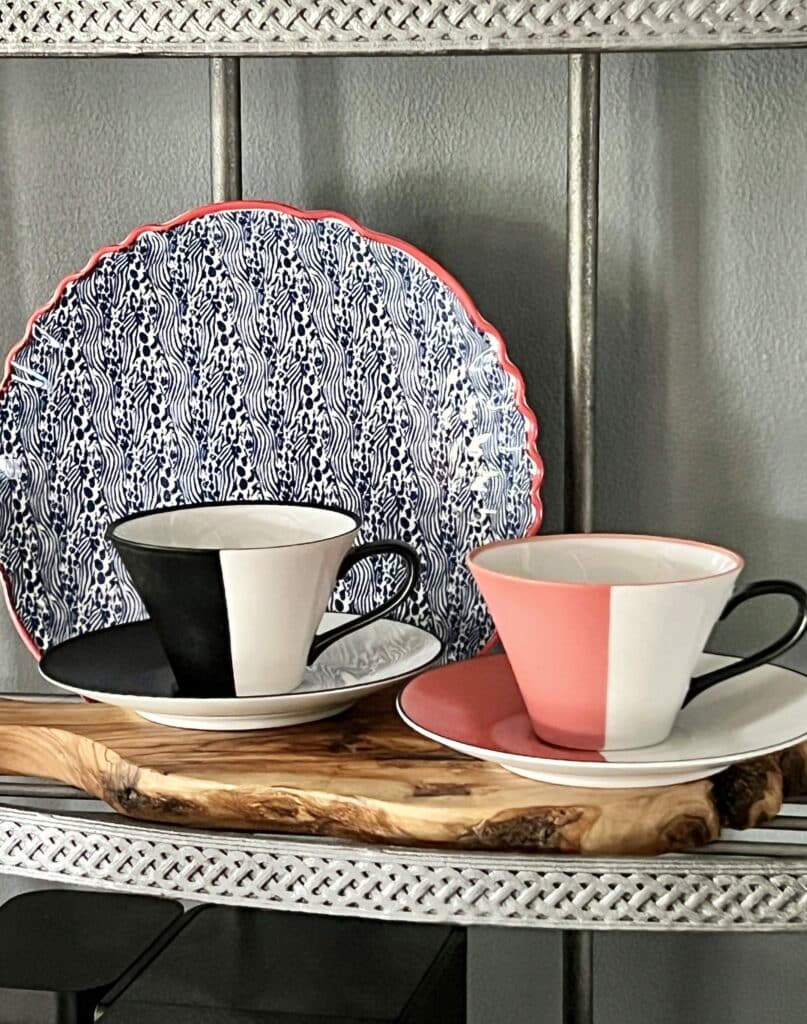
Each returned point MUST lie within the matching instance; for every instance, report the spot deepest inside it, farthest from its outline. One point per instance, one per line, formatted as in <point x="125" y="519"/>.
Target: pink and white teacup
<point x="603" y="631"/>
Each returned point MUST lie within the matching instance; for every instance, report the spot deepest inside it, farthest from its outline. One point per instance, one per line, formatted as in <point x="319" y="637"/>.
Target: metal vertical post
<point x="582" y="210"/>
<point x="582" y="181"/>
<point x="225" y="128"/>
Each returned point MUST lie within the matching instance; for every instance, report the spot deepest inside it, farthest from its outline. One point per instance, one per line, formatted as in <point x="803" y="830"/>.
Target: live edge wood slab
<point x="364" y="775"/>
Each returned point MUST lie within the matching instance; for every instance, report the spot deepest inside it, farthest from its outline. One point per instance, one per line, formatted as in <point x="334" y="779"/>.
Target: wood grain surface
<point x="365" y="775"/>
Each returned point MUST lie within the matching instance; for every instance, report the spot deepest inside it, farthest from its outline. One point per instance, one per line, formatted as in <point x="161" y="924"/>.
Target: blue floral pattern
<point x="255" y="353"/>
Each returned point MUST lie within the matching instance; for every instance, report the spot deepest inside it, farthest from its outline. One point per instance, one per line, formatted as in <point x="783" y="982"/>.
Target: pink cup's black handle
<point x="381" y="547"/>
<point x="760" y="589"/>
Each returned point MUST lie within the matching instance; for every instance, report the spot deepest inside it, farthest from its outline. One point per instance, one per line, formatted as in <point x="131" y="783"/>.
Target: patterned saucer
<point x="126" y="666"/>
<point x="246" y="351"/>
<point x="475" y="707"/>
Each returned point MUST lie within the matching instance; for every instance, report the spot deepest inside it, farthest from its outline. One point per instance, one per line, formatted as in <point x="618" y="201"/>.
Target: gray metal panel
<point x="233" y="27"/>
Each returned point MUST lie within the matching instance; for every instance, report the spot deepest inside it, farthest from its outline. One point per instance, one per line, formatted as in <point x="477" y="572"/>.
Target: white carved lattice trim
<point x="344" y="26"/>
<point x="695" y="892"/>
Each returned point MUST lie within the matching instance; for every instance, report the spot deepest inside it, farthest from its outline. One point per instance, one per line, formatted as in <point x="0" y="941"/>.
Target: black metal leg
<point x="578" y="977"/>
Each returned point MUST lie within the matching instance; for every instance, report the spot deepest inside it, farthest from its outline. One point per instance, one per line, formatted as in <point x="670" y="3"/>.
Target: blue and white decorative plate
<point x="248" y="350"/>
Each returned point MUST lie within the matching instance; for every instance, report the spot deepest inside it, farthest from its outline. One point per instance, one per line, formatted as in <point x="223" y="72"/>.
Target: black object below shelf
<point x="234" y="966"/>
<point x="62" y="949"/>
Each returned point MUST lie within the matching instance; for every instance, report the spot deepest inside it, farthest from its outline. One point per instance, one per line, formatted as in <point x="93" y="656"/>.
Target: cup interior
<point x="234" y="527"/>
<point x="606" y="559"/>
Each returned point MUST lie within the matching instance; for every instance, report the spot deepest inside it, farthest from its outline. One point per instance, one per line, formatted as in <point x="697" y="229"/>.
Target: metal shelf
<point x="40" y="28"/>
<point x="749" y="881"/>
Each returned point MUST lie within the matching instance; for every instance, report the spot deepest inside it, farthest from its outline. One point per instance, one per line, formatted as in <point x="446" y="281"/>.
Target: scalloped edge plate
<point x="447" y="279"/>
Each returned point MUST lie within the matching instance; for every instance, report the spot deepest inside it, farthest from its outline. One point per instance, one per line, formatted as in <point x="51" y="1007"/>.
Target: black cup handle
<point x="759" y="589"/>
<point x="380" y="547"/>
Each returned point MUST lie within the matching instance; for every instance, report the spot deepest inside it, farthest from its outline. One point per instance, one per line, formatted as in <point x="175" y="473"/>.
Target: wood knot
<point x="120" y="790"/>
<point x="685" y="832"/>
<point x="427" y="789"/>
<point x="749" y="793"/>
<point x="793" y="765"/>
<point x="530" y="828"/>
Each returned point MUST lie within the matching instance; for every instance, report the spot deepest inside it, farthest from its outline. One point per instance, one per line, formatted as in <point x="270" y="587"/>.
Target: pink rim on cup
<point x="603" y="631"/>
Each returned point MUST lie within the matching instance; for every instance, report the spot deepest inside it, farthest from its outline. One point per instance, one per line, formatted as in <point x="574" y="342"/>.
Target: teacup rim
<point x="188" y="506"/>
<point x="739" y="561"/>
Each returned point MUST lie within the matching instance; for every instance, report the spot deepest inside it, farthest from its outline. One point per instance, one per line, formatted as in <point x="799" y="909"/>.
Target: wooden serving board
<point x="364" y="775"/>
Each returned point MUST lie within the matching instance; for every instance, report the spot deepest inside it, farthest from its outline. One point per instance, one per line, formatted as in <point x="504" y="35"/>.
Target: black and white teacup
<point x="236" y="590"/>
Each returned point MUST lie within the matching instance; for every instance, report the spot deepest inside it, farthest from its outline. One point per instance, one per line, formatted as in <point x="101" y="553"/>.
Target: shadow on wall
<point x="517" y="273"/>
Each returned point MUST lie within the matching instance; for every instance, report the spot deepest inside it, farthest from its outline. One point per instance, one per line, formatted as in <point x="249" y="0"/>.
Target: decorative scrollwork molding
<point x="38" y="27"/>
<point x="694" y="892"/>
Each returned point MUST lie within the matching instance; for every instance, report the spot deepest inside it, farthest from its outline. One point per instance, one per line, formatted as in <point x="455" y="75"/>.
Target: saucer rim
<point x="619" y="767"/>
<point x="293" y="695"/>
<point x="248" y="712"/>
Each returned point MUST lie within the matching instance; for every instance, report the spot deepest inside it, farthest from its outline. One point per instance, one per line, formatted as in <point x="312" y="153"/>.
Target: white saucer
<point x="126" y="666"/>
<point x="475" y="707"/>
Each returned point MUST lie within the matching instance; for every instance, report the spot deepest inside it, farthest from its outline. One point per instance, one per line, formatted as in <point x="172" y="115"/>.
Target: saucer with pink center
<point x="475" y="707"/>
